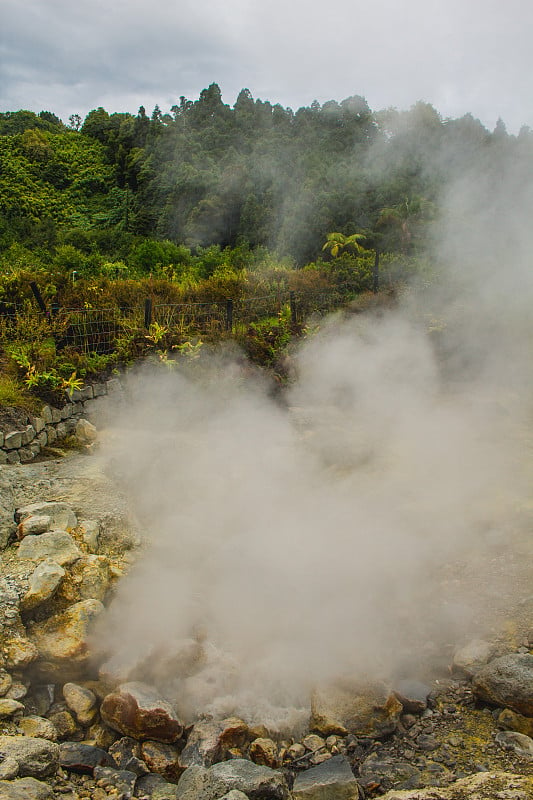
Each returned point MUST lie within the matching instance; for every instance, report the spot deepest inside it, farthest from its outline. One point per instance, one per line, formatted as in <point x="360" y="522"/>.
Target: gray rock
<point x="56" y="415"/>
<point x="28" y="435"/>
<point x="256" y="782"/>
<point x="26" y="455"/>
<point x="42" y="439"/>
<point x="121" y="780"/>
<point x="481" y="786"/>
<point x="61" y="515"/>
<point x="3" y="457"/>
<point x="331" y="780"/>
<point x="33" y="525"/>
<point x="38" y="424"/>
<point x="37" y="758"/>
<point x="25" y="789"/>
<point x="46" y="414"/>
<point x="81" y="701"/>
<point x="9" y="769"/>
<point x="209" y="741"/>
<point x="126" y="753"/>
<point x="413" y="695"/>
<point x="61" y="430"/>
<point x="369" y="710"/>
<point x="99" y="389"/>
<point x="83" y="758"/>
<point x="388" y="772"/>
<point x="517" y="742"/>
<point x="90" y="531"/>
<point x="91" y="576"/>
<point x="66" y="411"/>
<point x="51" y="435"/>
<point x="86" y="432"/>
<point x="13" y="440"/>
<point x="507" y="681"/>
<point x="13" y="457"/>
<point x="44" y="582"/>
<point x="57" y="546"/>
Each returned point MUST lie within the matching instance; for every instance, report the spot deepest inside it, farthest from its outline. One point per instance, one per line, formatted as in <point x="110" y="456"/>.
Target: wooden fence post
<point x="38" y="296"/>
<point x="147" y="313"/>
<point x="229" y="315"/>
<point x="292" y="301"/>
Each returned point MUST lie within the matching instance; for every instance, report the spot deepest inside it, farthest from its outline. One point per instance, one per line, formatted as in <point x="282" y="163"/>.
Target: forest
<point x="206" y="201"/>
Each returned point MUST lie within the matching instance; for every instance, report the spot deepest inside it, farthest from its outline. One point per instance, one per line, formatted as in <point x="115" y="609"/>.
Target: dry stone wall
<point x="55" y="424"/>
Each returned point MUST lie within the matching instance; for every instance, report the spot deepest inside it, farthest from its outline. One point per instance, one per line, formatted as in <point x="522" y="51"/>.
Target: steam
<point x="333" y="532"/>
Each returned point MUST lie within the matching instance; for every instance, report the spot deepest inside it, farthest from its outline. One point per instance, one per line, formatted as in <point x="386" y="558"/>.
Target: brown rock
<point x="265" y="752"/>
<point x="162" y="759"/>
<point x="137" y="710"/>
<point x="211" y="740"/>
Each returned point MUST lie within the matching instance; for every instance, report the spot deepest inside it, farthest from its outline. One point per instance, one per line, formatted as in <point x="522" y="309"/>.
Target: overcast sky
<point x="70" y="56"/>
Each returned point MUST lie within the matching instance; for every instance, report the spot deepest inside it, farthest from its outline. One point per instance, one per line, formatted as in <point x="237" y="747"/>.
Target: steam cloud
<point x="293" y="542"/>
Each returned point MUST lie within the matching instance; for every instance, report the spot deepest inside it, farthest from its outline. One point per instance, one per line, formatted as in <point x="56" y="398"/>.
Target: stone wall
<point x="55" y="424"/>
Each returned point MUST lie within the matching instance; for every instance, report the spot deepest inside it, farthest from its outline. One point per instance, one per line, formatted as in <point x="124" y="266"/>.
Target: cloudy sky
<point x="70" y="56"/>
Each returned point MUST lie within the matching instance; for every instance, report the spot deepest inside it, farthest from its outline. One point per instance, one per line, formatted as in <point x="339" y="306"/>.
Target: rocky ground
<point x="460" y="727"/>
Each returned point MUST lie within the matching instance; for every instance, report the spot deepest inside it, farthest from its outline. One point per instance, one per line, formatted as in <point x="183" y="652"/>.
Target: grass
<point x="13" y="394"/>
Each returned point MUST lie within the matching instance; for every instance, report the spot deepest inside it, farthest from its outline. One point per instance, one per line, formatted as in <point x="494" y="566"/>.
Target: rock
<point x="62" y="642"/>
<point x="126" y="753"/>
<point x="413" y="695"/>
<point x="25" y="789"/>
<point x="369" y="710"/>
<point x="469" y="659"/>
<point x="101" y="736"/>
<point x="120" y="781"/>
<point x="61" y="516"/>
<point x="332" y="780"/>
<point x="6" y="682"/>
<point x="137" y="710"/>
<point x="13" y="440"/>
<point x="518" y="742"/>
<point x="38" y="523"/>
<point x="44" y="583"/>
<point x="387" y="772"/>
<point x="19" y="652"/>
<point x="89" y="579"/>
<point x="481" y="786"/>
<point x="81" y="701"/>
<point x="9" y="769"/>
<point x="210" y="740"/>
<point x="511" y="721"/>
<point x="8" y="708"/>
<point x="256" y="782"/>
<point x="64" y="723"/>
<point x="507" y="681"/>
<point x="57" y="546"/>
<point x="90" y="531"/>
<point x="38" y="727"/>
<point x="162" y="759"/>
<point x="85" y="432"/>
<point x="265" y="752"/>
<point x="83" y="758"/>
<point x="154" y="786"/>
<point x="37" y="758"/>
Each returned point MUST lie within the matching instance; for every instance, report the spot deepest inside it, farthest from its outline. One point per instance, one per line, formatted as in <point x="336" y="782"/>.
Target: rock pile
<point x="67" y="732"/>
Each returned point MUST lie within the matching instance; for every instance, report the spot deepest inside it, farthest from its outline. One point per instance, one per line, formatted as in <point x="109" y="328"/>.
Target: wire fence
<point x="101" y="330"/>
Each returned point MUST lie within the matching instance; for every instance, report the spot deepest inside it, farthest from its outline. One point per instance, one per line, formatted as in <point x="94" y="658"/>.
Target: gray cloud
<point x="460" y="57"/>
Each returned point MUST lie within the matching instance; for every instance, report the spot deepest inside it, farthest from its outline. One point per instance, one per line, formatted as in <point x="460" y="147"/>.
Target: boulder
<point x="57" y="546"/>
<point x="25" y="789"/>
<point x="61" y="516"/>
<point x="332" y="780"/>
<point x="81" y="701"/>
<point x="38" y="727"/>
<point x="85" y="432"/>
<point x="370" y="710"/>
<point x="481" y="786"/>
<point x="162" y="759"/>
<point x="8" y="708"/>
<point x="83" y="758"/>
<point x="62" y="642"/>
<point x="210" y="740"/>
<point x="88" y="579"/>
<point x="44" y="582"/>
<point x="37" y="758"/>
<point x="472" y="657"/>
<point x="413" y="695"/>
<point x="265" y="752"/>
<point x="256" y="782"/>
<point x="137" y="710"/>
<point x="507" y="681"/>
<point x="517" y="742"/>
<point x="32" y="526"/>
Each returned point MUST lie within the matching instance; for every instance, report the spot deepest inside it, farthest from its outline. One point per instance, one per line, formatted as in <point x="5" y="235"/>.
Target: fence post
<point x="147" y="313"/>
<point x="292" y="302"/>
<point x="38" y="297"/>
<point x="229" y="315"/>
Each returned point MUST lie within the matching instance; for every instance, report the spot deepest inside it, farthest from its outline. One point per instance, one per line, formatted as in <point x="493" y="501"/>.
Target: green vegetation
<point x="208" y="203"/>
